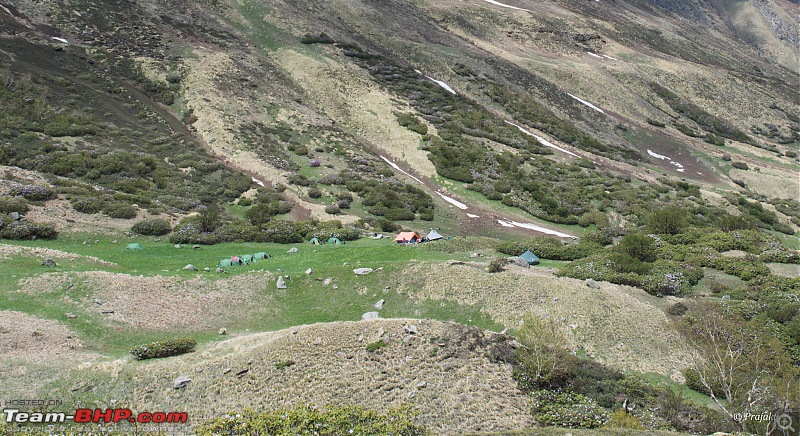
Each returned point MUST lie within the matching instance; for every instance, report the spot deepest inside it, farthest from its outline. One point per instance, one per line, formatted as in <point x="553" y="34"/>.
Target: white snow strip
<point x="677" y="164"/>
<point x="258" y="182"/>
<point x="541" y="229"/>
<point x="504" y="5"/>
<point x="595" y="55"/>
<point x="473" y="216"/>
<point x="443" y="85"/>
<point x="610" y="57"/>
<point x="394" y="165"/>
<point x="587" y="103"/>
<point x="60" y="39"/>
<point x="544" y="142"/>
<point x="505" y="223"/>
<point x="680" y="170"/>
<point x="453" y="201"/>
<point x="656" y="155"/>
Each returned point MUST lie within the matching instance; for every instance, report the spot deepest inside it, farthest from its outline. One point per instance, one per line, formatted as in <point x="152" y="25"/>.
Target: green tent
<point x="247" y="258"/>
<point x="134" y="247"/>
<point x="260" y="255"/>
<point x="315" y="241"/>
<point x="530" y="258"/>
<point x="225" y="262"/>
<point x="335" y="241"/>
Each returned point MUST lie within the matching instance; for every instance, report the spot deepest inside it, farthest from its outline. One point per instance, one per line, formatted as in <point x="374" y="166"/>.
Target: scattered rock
<point x="379" y="304"/>
<point x="198" y="369"/>
<point x="422" y="384"/>
<point x="190" y="267"/>
<point x="410" y="328"/>
<point x="206" y="269"/>
<point x="411" y="394"/>
<point x="220" y="270"/>
<point x="592" y="283"/>
<point x="223" y="331"/>
<point x="242" y="372"/>
<point x="226" y="370"/>
<point x="293" y="250"/>
<point x="49" y="263"/>
<point x="196" y="247"/>
<point x="327" y="281"/>
<point x="362" y="271"/>
<point x="370" y="315"/>
<point x="317" y="341"/>
<point x="309" y="271"/>
<point x="381" y="332"/>
<point x="71" y="315"/>
<point x="281" y="283"/>
<point x="518" y="261"/>
<point x="181" y="382"/>
<point x="177" y="245"/>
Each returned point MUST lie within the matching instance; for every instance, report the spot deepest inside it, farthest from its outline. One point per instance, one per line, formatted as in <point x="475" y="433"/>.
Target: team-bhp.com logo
<point x="82" y="416"/>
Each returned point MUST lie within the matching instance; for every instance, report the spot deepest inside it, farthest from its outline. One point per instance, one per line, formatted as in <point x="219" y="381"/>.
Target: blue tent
<point x="530" y="258"/>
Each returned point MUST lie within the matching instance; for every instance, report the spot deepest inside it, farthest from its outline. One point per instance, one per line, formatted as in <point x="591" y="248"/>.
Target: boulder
<point x="49" y="263"/>
<point x="309" y="271"/>
<point x="379" y="304"/>
<point x="293" y="250"/>
<point x="190" y="267"/>
<point x="223" y="331"/>
<point x="14" y="216"/>
<point x="592" y="283"/>
<point x="410" y="328"/>
<point x="281" y="283"/>
<point x="370" y="315"/>
<point x="518" y="261"/>
<point x="362" y="271"/>
<point x="327" y="281"/>
<point x="181" y="382"/>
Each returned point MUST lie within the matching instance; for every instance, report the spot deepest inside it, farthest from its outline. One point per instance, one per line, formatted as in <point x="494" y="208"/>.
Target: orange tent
<point x="408" y="238"/>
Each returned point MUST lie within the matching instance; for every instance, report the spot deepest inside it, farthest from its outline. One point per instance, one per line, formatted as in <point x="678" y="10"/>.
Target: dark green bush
<point x="23" y="230"/>
<point x="33" y="192"/>
<point x="152" y="227"/>
<point x="90" y="205"/>
<point x="12" y="204"/>
<point x="170" y="347"/>
<point x="377" y="345"/>
<point x="740" y="165"/>
<point x="120" y="210"/>
<point x="567" y="409"/>
<point x="312" y="421"/>
<point x="551" y="248"/>
<point x="332" y="209"/>
<point x="314" y="193"/>
<point x="677" y="309"/>
<point x="638" y="246"/>
<point x="496" y="265"/>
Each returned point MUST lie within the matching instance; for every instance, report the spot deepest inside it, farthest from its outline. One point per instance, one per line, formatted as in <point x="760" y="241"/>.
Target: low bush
<point x="13" y="204"/>
<point x="623" y="419"/>
<point x="551" y="248"/>
<point x="312" y="421"/>
<point x="170" y="347"/>
<point x="23" y="230"/>
<point x="284" y="364"/>
<point x="332" y="209"/>
<point x="152" y="227"/>
<point x="90" y="205"/>
<point x="496" y="265"/>
<point x="377" y="345"/>
<point x="740" y="165"/>
<point x="120" y="211"/>
<point x="33" y="192"/>
<point x="567" y="409"/>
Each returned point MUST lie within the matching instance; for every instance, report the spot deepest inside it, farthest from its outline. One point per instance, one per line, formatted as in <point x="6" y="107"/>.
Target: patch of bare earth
<point x="157" y="303"/>
<point x="618" y="325"/>
<point x="444" y="370"/>
<point x="8" y="252"/>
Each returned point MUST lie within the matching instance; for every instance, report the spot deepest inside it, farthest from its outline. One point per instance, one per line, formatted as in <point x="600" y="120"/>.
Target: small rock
<point x="592" y="283"/>
<point x="309" y="271"/>
<point x="407" y="338"/>
<point x="293" y="250"/>
<point x="379" y="304"/>
<point x="196" y="247"/>
<point x="422" y="384"/>
<point x="410" y="328"/>
<point x="360" y="338"/>
<point x="71" y="315"/>
<point x="411" y="394"/>
<point x="181" y="382"/>
<point x="177" y="245"/>
<point x="346" y="264"/>
<point x="335" y="286"/>
<point x="726" y="297"/>
<point x="198" y="369"/>
<point x="226" y="370"/>
<point x="206" y="269"/>
<point x="190" y="267"/>
<point x="223" y="331"/>
<point x="50" y="263"/>
<point x="281" y="283"/>
<point x="370" y="315"/>
<point x="220" y="270"/>
<point x="327" y="281"/>
<point x="114" y="241"/>
<point x="504" y="331"/>
<point x="242" y="372"/>
<point x="362" y="271"/>
<point x="317" y="341"/>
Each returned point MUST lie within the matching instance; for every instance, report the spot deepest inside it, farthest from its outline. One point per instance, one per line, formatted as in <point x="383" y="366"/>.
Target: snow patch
<point x="505" y="223"/>
<point x="656" y="155"/>
<point x="587" y="103"/>
<point x="473" y="216"/>
<point x="438" y="82"/>
<point x="453" y="201"/>
<point x="505" y="5"/>
<point x="60" y="39"/>
<point x="610" y="57"/>
<point x="394" y="165"/>
<point x="258" y="182"/>
<point x="541" y="229"/>
<point x="544" y="142"/>
<point x="595" y="55"/>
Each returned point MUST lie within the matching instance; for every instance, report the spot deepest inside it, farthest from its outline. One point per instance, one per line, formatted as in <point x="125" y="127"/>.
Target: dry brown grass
<point x="158" y="303"/>
<point x="463" y="390"/>
<point x="619" y="325"/>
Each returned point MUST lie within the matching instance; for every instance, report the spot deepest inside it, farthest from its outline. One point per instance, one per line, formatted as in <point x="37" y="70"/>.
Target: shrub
<point x="669" y="220"/>
<point x="170" y="347"/>
<point x="284" y="364"/>
<point x="88" y="205"/>
<point x="567" y="409"/>
<point x="315" y="163"/>
<point x="120" y="211"/>
<point x="638" y="246"/>
<point x="308" y="421"/>
<point x="740" y="165"/>
<point x="377" y="345"/>
<point x="33" y="192"/>
<point x="152" y="227"/>
<point x="343" y="203"/>
<point x="623" y="419"/>
<point x="677" y="309"/>
<point x="244" y="201"/>
<point x="316" y="38"/>
<point x="332" y="209"/>
<point x="791" y="154"/>
<point x="314" y="193"/>
<point x="22" y="230"/>
<point x="496" y="265"/>
<point x="13" y="204"/>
